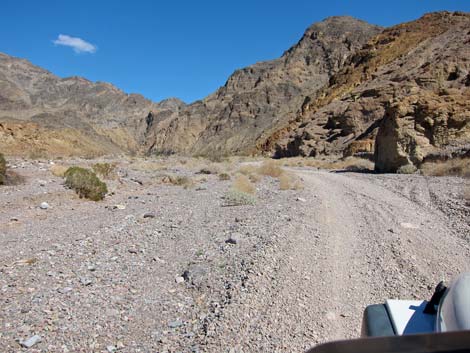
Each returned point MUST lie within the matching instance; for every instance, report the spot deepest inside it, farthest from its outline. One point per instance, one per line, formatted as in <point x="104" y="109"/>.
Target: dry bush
<point x="270" y="168"/>
<point x="238" y="198"/>
<point x="148" y="166"/>
<point x="85" y="183"/>
<point x="3" y="169"/>
<point x="58" y="170"/>
<point x="289" y="182"/>
<point x="224" y="176"/>
<point x="456" y="167"/>
<point x="243" y="184"/>
<point x="105" y="170"/>
<point x="352" y="164"/>
<point x="177" y="180"/>
<point x="247" y="169"/>
<point x="254" y="178"/>
<point x="210" y="169"/>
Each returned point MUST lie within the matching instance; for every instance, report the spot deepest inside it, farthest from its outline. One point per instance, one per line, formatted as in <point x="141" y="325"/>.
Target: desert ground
<point x="166" y="263"/>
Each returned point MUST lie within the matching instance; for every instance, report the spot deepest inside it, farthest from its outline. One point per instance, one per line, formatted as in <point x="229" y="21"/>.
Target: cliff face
<point x="261" y="97"/>
<point x="416" y="72"/>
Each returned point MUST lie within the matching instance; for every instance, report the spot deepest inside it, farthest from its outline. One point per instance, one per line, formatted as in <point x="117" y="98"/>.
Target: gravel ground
<point x="161" y="268"/>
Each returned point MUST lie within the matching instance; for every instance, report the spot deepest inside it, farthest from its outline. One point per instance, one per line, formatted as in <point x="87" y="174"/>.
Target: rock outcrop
<point x="422" y="125"/>
<point x="422" y="63"/>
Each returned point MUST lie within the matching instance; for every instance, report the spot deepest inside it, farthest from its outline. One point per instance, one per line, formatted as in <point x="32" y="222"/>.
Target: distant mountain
<point x="346" y="87"/>
<point x="42" y="114"/>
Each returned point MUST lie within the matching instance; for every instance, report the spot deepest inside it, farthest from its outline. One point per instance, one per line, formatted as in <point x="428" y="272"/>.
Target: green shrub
<point x="85" y="183"/>
<point x="3" y="169"/>
<point x="407" y="169"/>
<point x="238" y="198"/>
<point x="106" y="170"/>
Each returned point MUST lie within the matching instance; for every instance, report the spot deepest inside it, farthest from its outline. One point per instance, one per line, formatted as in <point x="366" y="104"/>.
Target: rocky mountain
<point x="404" y="94"/>
<point x="399" y="95"/>
<point x="42" y="114"/>
<point x="260" y="97"/>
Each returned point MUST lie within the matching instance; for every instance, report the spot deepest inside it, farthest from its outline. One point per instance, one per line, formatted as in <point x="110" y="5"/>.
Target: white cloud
<point x="78" y="44"/>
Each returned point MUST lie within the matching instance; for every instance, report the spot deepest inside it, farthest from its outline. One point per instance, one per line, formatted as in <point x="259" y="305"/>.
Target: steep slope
<point x="267" y="94"/>
<point x="423" y="64"/>
<point x="43" y="114"/>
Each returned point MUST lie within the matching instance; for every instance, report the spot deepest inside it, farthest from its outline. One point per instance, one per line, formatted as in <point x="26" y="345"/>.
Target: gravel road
<point x="294" y="270"/>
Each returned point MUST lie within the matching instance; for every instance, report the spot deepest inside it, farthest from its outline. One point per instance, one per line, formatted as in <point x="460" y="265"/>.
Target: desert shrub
<point x="106" y="170"/>
<point x="289" y="182"/>
<point x="58" y="170"/>
<point x="85" y="183"/>
<point x="209" y="169"/>
<point x="178" y="180"/>
<point x="254" y="178"/>
<point x="243" y="184"/>
<point x="247" y="169"/>
<point x="407" y="169"/>
<point x="456" y="167"/>
<point x="238" y="198"/>
<point x="224" y="176"/>
<point x="3" y="169"/>
<point x="270" y="168"/>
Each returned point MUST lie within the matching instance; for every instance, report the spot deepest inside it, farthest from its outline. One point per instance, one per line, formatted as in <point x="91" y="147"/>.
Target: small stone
<point x="119" y="207"/>
<point x="44" y="206"/>
<point x="14" y="219"/>
<point x="30" y="341"/>
<point x="92" y="268"/>
<point x="233" y="239"/>
<point x="111" y="349"/>
<point x="179" y="279"/>
<point x="300" y="199"/>
<point x="132" y="251"/>
<point x="175" y="324"/>
<point x="149" y="215"/>
<point x="65" y="290"/>
<point x="85" y="281"/>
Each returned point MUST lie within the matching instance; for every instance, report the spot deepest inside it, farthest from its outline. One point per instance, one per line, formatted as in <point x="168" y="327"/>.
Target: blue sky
<point x="184" y="49"/>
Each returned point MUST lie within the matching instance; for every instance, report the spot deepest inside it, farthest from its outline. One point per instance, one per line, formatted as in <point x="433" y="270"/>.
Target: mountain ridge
<point x="326" y="95"/>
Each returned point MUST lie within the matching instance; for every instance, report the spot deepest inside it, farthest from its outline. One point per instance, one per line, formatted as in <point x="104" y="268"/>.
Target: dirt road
<point x="363" y="239"/>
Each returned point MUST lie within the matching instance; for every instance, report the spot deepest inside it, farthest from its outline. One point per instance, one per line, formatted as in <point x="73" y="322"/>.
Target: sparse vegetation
<point x="224" y="176"/>
<point x="407" y="169"/>
<point x="353" y="164"/>
<point x="238" y="198"/>
<point x="456" y="167"/>
<point x="247" y="169"/>
<point x="289" y="182"/>
<point x="179" y="180"/>
<point x="242" y="183"/>
<point x="85" y="183"/>
<point x="58" y="170"/>
<point x="270" y="168"/>
<point x="3" y="169"/>
<point x="105" y="170"/>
